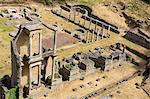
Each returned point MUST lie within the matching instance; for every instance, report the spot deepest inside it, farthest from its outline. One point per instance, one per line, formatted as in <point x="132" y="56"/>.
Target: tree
<point x="147" y="1"/>
<point x="13" y="93"/>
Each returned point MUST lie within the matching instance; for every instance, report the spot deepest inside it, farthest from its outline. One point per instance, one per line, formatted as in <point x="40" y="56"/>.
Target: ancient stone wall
<point x="134" y="37"/>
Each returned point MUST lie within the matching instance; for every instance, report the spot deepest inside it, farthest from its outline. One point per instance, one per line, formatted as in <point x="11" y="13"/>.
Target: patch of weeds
<point x="133" y="7"/>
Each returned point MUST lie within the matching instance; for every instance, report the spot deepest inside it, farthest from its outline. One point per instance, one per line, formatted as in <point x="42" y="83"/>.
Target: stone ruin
<point x="29" y="60"/>
<point x="139" y="38"/>
<point x="13" y="13"/>
<point x="82" y="64"/>
<point x="76" y="13"/>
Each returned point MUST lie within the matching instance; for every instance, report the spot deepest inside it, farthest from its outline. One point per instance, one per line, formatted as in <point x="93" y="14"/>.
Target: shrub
<point x="147" y="1"/>
<point x="48" y="2"/>
<point x="13" y="93"/>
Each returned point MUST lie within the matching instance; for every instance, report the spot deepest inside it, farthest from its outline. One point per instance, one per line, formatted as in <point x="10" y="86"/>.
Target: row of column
<point x="98" y="32"/>
<point x="89" y="26"/>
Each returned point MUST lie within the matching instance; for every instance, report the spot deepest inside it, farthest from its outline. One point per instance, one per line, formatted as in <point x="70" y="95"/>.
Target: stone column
<point x="74" y="15"/>
<point x="30" y="45"/>
<point x="39" y="74"/>
<point x="97" y="35"/>
<point x="55" y="41"/>
<point x="77" y="12"/>
<point x="54" y="55"/>
<point x="20" y="83"/>
<point x="30" y="77"/>
<point x="90" y="23"/>
<point x="60" y="11"/>
<point x="40" y="44"/>
<point x="69" y="15"/>
<point x="93" y="36"/>
<point x="56" y="11"/>
<point x="102" y="30"/>
<point x="53" y="68"/>
<point x="95" y="25"/>
<point x="108" y="29"/>
<point x="106" y="64"/>
<point x="84" y="21"/>
<point x="13" y="66"/>
<point x="87" y="36"/>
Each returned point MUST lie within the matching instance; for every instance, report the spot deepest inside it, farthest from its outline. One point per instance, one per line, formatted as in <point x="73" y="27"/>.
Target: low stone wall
<point x="137" y="53"/>
<point x="90" y="14"/>
<point x="65" y="8"/>
<point x="99" y="24"/>
<point x="140" y="40"/>
<point x="57" y="81"/>
<point x="89" y="71"/>
<point x="143" y="34"/>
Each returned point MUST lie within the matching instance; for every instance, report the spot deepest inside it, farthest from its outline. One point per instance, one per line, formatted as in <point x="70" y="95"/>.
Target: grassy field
<point x="5" y="44"/>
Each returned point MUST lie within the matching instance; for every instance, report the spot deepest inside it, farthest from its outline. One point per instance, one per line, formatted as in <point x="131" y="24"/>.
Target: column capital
<point x="30" y="35"/>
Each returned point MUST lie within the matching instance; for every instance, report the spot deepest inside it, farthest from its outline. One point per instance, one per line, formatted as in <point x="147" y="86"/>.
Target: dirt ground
<point x="109" y="16"/>
<point x="118" y="73"/>
<point x="63" y="39"/>
<point x="127" y="90"/>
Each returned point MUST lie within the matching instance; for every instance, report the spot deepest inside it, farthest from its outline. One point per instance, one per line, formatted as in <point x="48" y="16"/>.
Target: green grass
<point x="139" y="9"/>
<point x="69" y="66"/>
<point x="4" y="29"/>
<point x="88" y="2"/>
<point x="5" y="44"/>
<point x="13" y="93"/>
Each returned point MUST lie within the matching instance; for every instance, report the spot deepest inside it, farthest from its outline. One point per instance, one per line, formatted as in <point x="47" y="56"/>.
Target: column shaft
<point x="102" y="30"/>
<point x="90" y="23"/>
<point x="108" y="29"/>
<point x="53" y="68"/>
<point x="97" y="35"/>
<point x="20" y="83"/>
<point x="87" y="36"/>
<point x="39" y="75"/>
<point x="30" y="45"/>
<point x="60" y="11"/>
<point x="95" y="25"/>
<point x="74" y="15"/>
<point x="93" y="36"/>
<point x="55" y="41"/>
<point x="40" y="44"/>
<point x="69" y="15"/>
<point x="84" y="21"/>
<point x="30" y="77"/>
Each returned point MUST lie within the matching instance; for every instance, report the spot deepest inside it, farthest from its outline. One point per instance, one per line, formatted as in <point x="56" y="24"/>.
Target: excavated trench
<point x="136" y="38"/>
